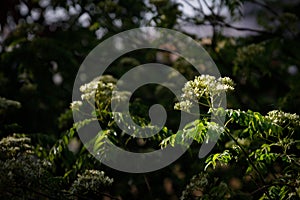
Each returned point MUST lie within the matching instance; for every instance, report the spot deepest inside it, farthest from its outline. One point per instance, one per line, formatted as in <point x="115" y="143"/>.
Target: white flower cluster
<point x="100" y="87"/>
<point x="89" y="90"/>
<point x="121" y="96"/>
<point x="6" y="103"/>
<point x="90" y="180"/>
<point x="207" y="85"/>
<point x="184" y="105"/>
<point x="14" y="145"/>
<point x="203" y="87"/>
<point x="104" y="90"/>
<point x="75" y="105"/>
<point x="281" y="118"/>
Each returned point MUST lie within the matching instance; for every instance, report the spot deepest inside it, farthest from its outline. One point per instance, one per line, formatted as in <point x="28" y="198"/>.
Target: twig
<point x="200" y="5"/>
<point x="249" y="160"/>
<point x="192" y="6"/>
<point x="265" y="6"/>
<point x="210" y="8"/>
<point x="245" y="29"/>
<point x="148" y="186"/>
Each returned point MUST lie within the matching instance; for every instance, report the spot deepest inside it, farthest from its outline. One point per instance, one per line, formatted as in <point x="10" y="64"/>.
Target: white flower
<point x="75" y="105"/>
<point x="121" y="96"/>
<point x="86" y="88"/>
<point x="184" y="105"/>
<point x="89" y="95"/>
<point x="280" y="118"/>
<point x="203" y="87"/>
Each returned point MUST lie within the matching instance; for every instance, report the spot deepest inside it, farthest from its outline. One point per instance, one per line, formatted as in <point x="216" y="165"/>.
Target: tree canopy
<point x="44" y="42"/>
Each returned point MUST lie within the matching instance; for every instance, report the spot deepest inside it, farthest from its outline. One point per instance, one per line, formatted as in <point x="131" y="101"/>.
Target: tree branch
<point x="249" y="160"/>
<point x="245" y="29"/>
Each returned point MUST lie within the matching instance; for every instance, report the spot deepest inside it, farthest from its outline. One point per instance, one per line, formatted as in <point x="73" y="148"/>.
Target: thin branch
<point x="245" y="29"/>
<point x="220" y="7"/>
<point x="261" y="188"/>
<point x="210" y="8"/>
<point x="200" y="5"/>
<point x="274" y="184"/>
<point x="192" y="6"/>
<point x="108" y="195"/>
<point x="249" y="160"/>
<point x="266" y="7"/>
<point x="271" y="10"/>
<point x="148" y="186"/>
<point x="247" y="156"/>
<point x="147" y="183"/>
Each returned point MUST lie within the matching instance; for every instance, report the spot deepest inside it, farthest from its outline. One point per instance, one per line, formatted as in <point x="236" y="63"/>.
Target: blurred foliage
<point x="43" y="43"/>
<point x="25" y="174"/>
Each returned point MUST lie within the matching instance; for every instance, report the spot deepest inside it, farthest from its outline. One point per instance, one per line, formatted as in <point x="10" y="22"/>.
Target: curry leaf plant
<point x="264" y="148"/>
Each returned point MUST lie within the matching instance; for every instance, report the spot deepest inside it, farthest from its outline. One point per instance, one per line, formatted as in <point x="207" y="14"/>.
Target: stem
<point x="231" y="119"/>
<point x="249" y="160"/>
<point x="203" y="104"/>
<point x="148" y="186"/>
